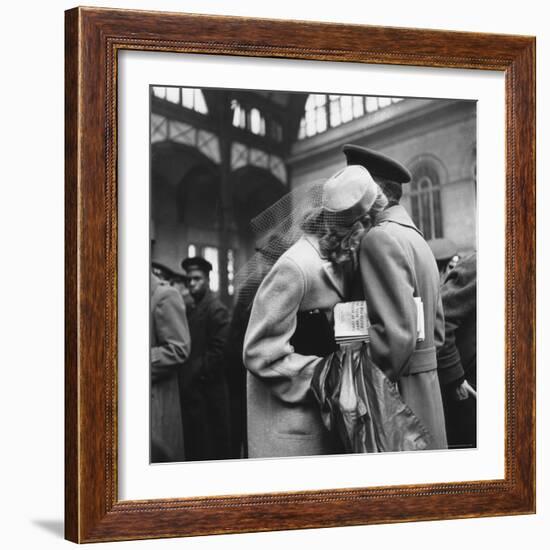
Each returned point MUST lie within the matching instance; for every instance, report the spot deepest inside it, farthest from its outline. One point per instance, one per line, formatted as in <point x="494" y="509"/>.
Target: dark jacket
<point x="457" y="357"/>
<point x="170" y="343"/>
<point x="208" y="324"/>
<point x="205" y="405"/>
<point x="397" y="265"/>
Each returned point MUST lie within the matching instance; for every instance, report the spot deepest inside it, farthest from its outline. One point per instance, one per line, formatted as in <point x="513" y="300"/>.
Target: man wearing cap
<point x="289" y="329"/>
<point x="446" y="255"/>
<point x="204" y="389"/>
<point x="458" y="356"/>
<point x="396" y="266"/>
<point x="175" y="277"/>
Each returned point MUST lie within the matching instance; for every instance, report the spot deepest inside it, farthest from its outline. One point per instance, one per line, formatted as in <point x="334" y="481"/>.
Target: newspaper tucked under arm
<point x="351" y="321"/>
<point x="420" y="331"/>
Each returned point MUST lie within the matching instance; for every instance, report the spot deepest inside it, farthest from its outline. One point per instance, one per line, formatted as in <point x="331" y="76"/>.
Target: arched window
<point x="257" y="123"/>
<point x="425" y="197"/>
<point x="251" y="119"/>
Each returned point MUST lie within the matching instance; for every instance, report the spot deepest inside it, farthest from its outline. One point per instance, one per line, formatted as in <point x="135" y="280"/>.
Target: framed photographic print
<point x="288" y="246"/>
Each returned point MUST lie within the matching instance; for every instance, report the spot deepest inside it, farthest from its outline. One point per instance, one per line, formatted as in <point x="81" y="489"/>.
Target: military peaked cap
<point x="443" y="249"/>
<point x="376" y="163"/>
<point x="197" y="263"/>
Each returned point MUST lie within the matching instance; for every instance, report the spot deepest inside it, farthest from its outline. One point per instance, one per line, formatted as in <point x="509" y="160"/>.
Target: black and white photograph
<point x="313" y="274"/>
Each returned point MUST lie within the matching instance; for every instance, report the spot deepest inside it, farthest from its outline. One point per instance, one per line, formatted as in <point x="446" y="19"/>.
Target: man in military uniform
<point x="205" y="406"/>
<point x="458" y="356"/>
<point x="397" y="271"/>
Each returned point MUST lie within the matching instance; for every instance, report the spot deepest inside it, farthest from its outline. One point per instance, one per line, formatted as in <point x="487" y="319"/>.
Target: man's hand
<point x="464" y="391"/>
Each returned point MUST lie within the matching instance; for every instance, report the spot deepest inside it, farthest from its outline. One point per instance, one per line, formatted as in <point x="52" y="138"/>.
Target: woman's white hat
<point x="350" y="193"/>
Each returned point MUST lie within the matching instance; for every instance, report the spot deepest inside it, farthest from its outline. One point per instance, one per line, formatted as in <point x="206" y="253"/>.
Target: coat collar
<point x="334" y="273"/>
<point x="397" y="214"/>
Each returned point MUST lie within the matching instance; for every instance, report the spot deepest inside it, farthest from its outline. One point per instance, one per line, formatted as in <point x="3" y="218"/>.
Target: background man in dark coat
<point x="205" y="404"/>
<point x="396" y="266"/>
<point x="236" y="379"/>
<point x="170" y="344"/>
<point x="457" y="359"/>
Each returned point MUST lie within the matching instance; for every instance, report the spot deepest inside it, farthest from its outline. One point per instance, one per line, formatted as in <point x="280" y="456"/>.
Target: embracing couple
<point x="359" y="243"/>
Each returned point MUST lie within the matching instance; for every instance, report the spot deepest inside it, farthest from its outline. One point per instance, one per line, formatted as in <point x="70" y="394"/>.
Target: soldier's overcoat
<point x="396" y="265"/>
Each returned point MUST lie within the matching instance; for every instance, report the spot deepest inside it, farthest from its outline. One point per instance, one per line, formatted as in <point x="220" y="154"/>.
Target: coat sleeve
<point x="267" y="351"/>
<point x="459" y="302"/>
<point x="388" y="286"/>
<point x="172" y="333"/>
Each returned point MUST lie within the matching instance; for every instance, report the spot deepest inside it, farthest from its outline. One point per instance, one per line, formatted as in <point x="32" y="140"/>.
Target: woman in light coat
<point x="290" y="324"/>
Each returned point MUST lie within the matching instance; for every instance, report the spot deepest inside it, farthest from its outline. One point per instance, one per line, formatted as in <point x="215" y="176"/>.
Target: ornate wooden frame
<point x="93" y="38"/>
